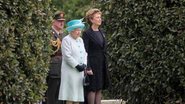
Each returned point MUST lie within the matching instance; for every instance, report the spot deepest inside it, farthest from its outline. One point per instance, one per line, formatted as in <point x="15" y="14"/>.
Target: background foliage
<point x="24" y="50"/>
<point x="146" y="50"/>
<point x="74" y="9"/>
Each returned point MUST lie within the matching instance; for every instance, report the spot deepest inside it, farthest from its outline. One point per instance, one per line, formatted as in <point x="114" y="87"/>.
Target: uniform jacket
<point x="56" y="58"/>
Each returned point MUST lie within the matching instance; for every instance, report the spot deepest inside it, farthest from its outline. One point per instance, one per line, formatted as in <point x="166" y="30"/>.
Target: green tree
<point x="24" y="50"/>
<point x="74" y="9"/>
<point x="146" y="50"/>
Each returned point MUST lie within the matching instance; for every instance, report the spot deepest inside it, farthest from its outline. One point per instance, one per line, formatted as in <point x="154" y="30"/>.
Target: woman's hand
<point x="89" y="72"/>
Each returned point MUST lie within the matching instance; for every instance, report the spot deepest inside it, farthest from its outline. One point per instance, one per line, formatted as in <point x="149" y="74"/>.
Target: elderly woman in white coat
<point x="73" y="64"/>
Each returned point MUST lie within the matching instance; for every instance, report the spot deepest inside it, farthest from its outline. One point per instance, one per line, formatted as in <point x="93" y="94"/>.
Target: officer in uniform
<point x="53" y="79"/>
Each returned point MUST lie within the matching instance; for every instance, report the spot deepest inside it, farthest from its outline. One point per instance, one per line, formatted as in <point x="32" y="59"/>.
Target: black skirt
<point x="97" y="79"/>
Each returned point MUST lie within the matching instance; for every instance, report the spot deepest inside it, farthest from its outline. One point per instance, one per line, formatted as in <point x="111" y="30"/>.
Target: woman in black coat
<point x="95" y="45"/>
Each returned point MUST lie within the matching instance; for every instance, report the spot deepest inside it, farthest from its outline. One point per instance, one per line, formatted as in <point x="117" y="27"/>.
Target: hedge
<point x="146" y="48"/>
<point x="24" y="50"/>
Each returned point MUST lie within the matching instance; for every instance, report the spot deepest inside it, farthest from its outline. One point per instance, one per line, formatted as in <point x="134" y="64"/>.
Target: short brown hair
<point x="90" y="13"/>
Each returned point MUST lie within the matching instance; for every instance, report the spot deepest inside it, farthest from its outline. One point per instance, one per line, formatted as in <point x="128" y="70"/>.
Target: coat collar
<point x="57" y="32"/>
<point x="90" y="33"/>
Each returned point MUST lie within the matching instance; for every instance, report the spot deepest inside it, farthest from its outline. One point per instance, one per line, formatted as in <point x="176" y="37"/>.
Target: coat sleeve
<point x="85" y="59"/>
<point x="86" y="44"/>
<point x="67" y="53"/>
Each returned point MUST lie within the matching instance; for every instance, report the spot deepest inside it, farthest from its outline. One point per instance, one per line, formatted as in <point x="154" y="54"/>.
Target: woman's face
<point x="76" y="33"/>
<point x="96" y="19"/>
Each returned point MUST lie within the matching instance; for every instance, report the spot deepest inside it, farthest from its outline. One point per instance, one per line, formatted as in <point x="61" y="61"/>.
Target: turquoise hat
<point x="73" y="24"/>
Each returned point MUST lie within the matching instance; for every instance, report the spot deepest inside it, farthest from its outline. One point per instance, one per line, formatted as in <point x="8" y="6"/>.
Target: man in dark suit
<point x="53" y="79"/>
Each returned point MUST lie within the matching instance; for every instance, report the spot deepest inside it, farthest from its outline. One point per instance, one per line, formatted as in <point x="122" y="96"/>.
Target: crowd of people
<point x="78" y="68"/>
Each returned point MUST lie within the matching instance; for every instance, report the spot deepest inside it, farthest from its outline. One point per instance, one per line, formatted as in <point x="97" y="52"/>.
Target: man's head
<point x="58" y="21"/>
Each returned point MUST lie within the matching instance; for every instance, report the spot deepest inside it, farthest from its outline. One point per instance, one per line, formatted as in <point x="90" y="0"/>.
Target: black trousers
<point x="53" y="90"/>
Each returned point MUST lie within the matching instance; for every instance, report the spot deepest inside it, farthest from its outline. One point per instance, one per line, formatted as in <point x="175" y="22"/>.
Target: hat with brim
<point x="74" y="24"/>
<point x="61" y="19"/>
<point x="59" y="16"/>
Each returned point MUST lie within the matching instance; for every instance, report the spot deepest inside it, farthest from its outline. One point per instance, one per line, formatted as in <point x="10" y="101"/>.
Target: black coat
<point x="96" y="58"/>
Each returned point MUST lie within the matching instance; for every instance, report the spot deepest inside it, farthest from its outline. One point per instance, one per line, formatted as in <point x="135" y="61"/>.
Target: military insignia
<point x="55" y="42"/>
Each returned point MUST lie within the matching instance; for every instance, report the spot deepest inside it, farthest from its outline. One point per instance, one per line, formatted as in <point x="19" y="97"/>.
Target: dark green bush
<point x="146" y="50"/>
<point x="24" y="50"/>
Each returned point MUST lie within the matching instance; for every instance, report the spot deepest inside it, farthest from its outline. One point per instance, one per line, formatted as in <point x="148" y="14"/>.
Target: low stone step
<point x="113" y="101"/>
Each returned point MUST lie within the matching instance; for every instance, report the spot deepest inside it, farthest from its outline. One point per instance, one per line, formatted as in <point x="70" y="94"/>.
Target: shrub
<point x="146" y="50"/>
<point x="24" y="50"/>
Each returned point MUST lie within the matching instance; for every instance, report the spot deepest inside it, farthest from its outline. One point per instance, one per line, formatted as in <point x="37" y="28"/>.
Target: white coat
<point x="73" y="53"/>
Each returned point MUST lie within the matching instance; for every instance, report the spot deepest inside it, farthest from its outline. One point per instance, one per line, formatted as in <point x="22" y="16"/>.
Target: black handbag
<point x="86" y="80"/>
